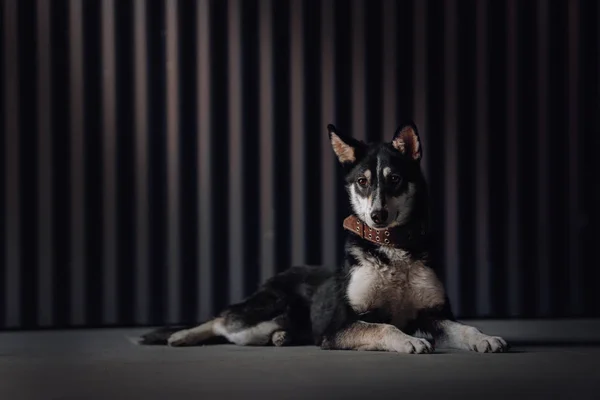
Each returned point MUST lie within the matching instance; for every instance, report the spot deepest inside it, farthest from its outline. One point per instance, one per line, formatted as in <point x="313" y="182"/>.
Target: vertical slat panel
<point x="61" y="135"/>
<point x="77" y="163"/>
<point x="513" y="266"/>
<point x="267" y="210"/>
<point x="543" y="215"/>
<point x="575" y="275"/>
<point x="205" y="210"/>
<point x="3" y="136"/>
<point x="329" y="223"/>
<point x="125" y="169"/>
<point x="420" y="76"/>
<point x="596" y="196"/>
<point x="70" y="286"/>
<point x="595" y="193"/>
<point x="109" y="127"/>
<point x="389" y="82"/>
<point x="297" y="152"/>
<point x="45" y="173"/>
<point x="11" y="159"/>
<point x="173" y="204"/>
<point x="451" y="155"/>
<point x="482" y="150"/>
<point x="236" y="240"/>
<point x="358" y="91"/>
<point x="28" y="159"/>
<point x="142" y="224"/>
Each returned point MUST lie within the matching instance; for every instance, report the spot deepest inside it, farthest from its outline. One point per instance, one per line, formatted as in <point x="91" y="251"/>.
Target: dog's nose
<point x="379" y="216"/>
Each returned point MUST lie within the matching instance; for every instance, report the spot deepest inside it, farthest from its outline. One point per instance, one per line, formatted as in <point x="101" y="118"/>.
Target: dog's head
<point x="384" y="180"/>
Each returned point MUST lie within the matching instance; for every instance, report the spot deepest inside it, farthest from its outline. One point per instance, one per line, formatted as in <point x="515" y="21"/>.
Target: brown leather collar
<point x="384" y="237"/>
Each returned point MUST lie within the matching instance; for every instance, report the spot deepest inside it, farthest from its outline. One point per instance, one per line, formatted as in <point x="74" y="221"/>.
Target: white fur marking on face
<point x="376" y="196"/>
<point x="360" y="205"/>
<point x="367" y="174"/>
<point x="386" y="171"/>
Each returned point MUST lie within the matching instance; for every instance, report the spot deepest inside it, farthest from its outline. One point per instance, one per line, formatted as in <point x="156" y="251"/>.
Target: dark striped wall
<point x="161" y="158"/>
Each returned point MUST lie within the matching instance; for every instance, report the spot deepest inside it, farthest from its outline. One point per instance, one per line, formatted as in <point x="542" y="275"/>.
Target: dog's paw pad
<point x="280" y="338"/>
<point x="179" y="338"/>
<point x="491" y="344"/>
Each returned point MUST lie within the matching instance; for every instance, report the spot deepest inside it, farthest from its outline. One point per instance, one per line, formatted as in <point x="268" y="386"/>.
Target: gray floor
<point x="106" y="364"/>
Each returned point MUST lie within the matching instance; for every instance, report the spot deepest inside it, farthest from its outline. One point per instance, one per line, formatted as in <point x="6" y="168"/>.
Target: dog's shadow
<point x="516" y="346"/>
<point x="534" y="346"/>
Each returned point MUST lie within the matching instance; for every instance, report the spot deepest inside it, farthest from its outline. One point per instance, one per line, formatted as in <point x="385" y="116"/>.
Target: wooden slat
<point x="142" y="222"/>
<point x="173" y="156"/>
<point x="205" y="184"/>
<point x="236" y="165"/>
<point x="298" y="134"/>
<point x="482" y="245"/>
<point x="328" y="162"/>
<point x="451" y="225"/>
<point x="513" y="267"/>
<point x="543" y="215"/>
<point x="12" y="210"/>
<point x="359" y="127"/>
<point x="389" y="82"/>
<point x="574" y="218"/>
<point x="109" y="161"/>
<point x="267" y="185"/>
<point x="76" y="84"/>
<point x="45" y="172"/>
<point x="420" y="77"/>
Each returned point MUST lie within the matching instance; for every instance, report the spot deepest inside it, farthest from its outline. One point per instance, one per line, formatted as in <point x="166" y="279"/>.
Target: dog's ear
<point x="345" y="148"/>
<point x="406" y="141"/>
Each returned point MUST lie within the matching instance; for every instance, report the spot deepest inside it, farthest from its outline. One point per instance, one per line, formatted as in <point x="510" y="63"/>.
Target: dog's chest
<point x="385" y="286"/>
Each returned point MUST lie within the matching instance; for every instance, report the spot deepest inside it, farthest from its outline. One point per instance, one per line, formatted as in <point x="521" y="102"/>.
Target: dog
<point x="385" y="292"/>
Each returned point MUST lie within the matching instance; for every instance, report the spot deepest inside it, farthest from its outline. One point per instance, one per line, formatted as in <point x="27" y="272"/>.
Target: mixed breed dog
<point x="384" y="293"/>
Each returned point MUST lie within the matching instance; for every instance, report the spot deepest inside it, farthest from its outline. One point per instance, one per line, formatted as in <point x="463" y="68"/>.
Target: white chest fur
<point x="401" y="287"/>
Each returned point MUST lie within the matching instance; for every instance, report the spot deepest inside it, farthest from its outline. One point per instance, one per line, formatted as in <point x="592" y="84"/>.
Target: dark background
<point x="160" y="159"/>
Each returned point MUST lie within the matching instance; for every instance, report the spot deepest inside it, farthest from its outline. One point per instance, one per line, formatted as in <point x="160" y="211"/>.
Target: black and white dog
<point x="383" y="294"/>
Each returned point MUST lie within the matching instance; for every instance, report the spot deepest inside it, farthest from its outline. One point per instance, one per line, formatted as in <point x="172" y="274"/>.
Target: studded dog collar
<point x="384" y="237"/>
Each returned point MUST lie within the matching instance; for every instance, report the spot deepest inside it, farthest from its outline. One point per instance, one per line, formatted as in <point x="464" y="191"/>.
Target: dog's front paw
<point x="413" y="345"/>
<point x="490" y="344"/>
<point x="180" y="338"/>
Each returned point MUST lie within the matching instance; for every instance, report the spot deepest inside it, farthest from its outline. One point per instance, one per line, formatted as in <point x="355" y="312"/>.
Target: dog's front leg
<point x="362" y="335"/>
<point x="452" y="334"/>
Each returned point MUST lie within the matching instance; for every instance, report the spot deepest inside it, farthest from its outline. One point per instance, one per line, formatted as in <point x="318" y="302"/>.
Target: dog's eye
<point x="394" y="178"/>
<point x="362" y="181"/>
